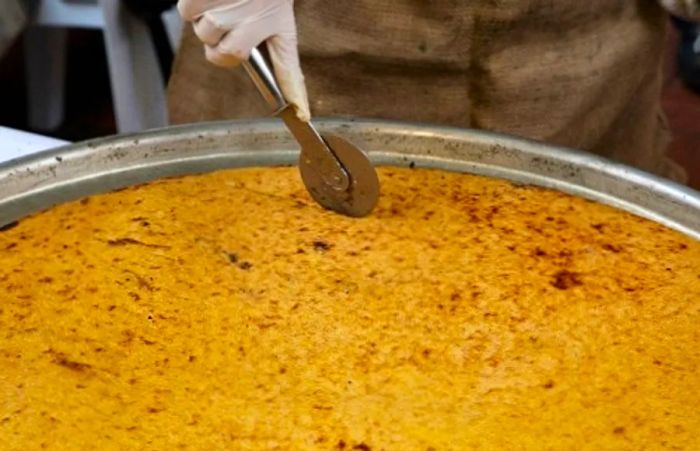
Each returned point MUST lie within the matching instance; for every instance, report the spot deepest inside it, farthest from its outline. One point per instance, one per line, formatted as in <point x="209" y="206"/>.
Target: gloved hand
<point x="230" y="29"/>
<point x="687" y="9"/>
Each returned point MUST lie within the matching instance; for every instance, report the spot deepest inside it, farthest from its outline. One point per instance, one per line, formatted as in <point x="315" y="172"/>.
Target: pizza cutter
<point x="337" y="174"/>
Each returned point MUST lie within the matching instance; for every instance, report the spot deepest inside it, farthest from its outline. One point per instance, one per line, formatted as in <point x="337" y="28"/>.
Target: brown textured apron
<point x="582" y="74"/>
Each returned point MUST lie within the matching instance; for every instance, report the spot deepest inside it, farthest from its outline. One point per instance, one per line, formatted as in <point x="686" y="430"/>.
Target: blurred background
<point x="59" y="78"/>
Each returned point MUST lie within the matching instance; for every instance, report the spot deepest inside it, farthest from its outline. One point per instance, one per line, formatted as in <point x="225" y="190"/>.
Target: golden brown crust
<point x="228" y="311"/>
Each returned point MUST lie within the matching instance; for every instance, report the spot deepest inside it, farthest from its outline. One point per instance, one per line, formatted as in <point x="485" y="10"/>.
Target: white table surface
<point x="17" y="143"/>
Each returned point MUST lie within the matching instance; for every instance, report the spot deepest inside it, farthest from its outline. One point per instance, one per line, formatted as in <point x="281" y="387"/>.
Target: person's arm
<point x="686" y="9"/>
<point x="230" y="29"/>
<point x="12" y="21"/>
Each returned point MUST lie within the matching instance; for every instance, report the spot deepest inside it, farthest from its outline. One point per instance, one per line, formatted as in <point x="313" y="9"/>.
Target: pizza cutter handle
<point x="265" y="81"/>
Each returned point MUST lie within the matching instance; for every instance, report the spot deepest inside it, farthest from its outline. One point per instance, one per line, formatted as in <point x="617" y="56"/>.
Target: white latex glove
<point x="230" y="29"/>
<point x="687" y="9"/>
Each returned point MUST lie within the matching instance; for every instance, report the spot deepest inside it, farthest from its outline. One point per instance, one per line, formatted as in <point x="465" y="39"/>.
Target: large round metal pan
<point x="34" y="183"/>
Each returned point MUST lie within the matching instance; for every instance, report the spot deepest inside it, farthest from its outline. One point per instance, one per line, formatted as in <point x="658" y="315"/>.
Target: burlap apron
<point x="583" y="74"/>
